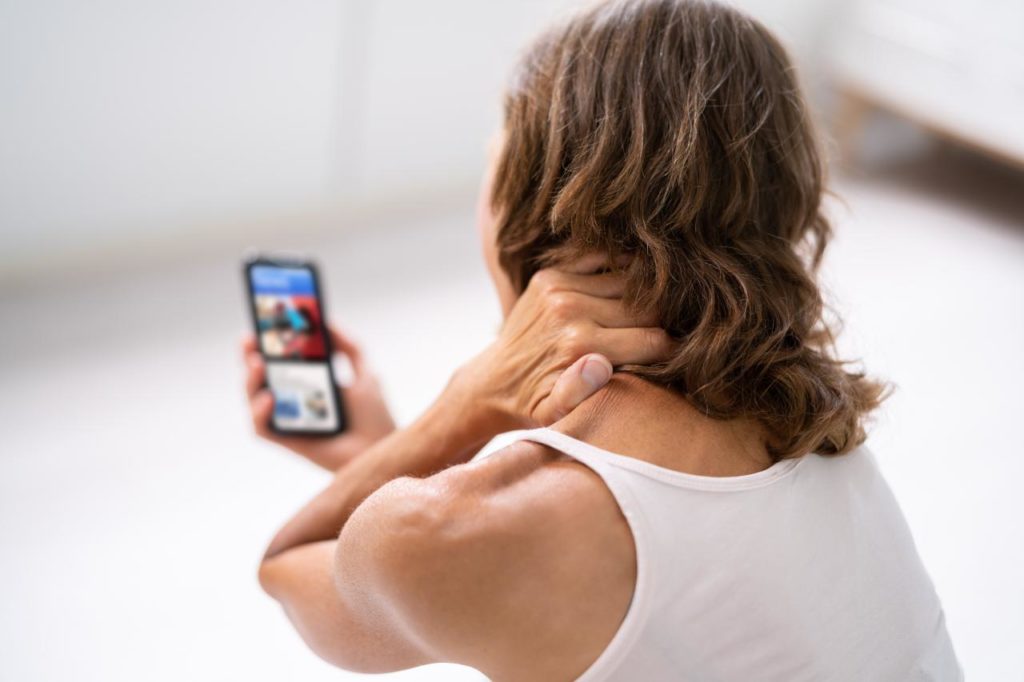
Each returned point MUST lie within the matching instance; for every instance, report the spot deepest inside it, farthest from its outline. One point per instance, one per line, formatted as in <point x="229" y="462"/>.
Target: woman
<point x="710" y="513"/>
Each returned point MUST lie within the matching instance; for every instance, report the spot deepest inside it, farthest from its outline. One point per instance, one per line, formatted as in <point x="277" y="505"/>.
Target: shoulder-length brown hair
<point x="675" y="131"/>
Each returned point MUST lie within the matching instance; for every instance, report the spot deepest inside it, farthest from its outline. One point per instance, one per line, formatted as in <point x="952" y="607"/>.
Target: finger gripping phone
<point x="291" y="334"/>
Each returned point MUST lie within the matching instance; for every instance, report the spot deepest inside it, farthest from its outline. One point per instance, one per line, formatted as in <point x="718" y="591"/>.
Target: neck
<point x="634" y="417"/>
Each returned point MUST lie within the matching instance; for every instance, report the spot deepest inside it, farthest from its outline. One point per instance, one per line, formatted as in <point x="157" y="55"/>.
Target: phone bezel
<point x="335" y="393"/>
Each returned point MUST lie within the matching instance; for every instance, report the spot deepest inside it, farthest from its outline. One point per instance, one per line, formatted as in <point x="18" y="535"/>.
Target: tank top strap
<point x="592" y="456"/>
<point x="605" y="464"/>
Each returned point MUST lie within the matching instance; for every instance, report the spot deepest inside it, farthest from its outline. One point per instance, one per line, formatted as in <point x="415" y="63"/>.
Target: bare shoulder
<point x="519" y="564"/>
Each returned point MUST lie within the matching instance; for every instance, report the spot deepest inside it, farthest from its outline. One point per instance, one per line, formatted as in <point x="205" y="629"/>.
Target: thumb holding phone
<point x="369" y="418"/>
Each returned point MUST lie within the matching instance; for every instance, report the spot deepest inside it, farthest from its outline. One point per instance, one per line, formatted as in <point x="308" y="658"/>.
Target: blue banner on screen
<point x="269" y="279"/>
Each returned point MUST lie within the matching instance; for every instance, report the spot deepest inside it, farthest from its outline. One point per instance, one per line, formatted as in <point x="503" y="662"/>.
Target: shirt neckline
<point x="758" y="479"/>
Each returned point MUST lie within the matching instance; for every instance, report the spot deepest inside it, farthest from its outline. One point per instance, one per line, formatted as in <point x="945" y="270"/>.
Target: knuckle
<point x="543" y="280"/>
<point x="551" y="415"/>
<point x="573" y="342"/>
<point x="561" y="305"/>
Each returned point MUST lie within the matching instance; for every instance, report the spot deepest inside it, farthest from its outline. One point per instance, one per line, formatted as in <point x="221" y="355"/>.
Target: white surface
<point x="129" y="118"/>
<point x="134" y="503"/>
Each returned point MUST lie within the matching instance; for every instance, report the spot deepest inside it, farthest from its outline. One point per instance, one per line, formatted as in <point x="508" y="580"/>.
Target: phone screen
<point x="292" y="337"/>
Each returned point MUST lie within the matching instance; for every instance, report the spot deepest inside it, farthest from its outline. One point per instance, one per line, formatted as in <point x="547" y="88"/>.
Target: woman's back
<point x="805" y="570"/>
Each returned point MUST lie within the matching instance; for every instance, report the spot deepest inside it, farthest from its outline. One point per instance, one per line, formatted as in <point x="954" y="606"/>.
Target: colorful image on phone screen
<point x="292" y="338"/>
<point x="288" y="314"/>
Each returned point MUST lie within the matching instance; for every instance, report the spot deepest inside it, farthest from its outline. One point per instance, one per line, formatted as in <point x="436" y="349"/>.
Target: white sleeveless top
<point x="803" y="571"/>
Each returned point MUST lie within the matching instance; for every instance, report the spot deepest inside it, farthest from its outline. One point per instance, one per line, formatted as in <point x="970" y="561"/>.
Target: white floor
<point x="134" y="503"/>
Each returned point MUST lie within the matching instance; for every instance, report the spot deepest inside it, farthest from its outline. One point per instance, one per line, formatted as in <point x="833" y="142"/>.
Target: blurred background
<point x="145" y="145"/>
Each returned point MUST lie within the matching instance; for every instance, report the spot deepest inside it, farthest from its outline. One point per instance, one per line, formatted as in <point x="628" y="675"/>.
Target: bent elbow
<point x="266" y="575"/>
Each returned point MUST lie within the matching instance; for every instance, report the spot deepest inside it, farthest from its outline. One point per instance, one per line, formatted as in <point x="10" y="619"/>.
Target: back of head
<point x="675" y="131"/>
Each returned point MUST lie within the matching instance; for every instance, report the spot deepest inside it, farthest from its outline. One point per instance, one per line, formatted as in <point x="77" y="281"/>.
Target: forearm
<point x="449" y="432"/>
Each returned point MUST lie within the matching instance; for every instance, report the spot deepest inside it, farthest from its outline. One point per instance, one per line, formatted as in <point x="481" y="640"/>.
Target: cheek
<point x="487" y="226"/>
<point x="485" y="222"/>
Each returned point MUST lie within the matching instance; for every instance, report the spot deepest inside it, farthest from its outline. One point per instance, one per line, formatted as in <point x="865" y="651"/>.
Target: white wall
<point x="131" y="127"/>
<point x="122" y="118"/>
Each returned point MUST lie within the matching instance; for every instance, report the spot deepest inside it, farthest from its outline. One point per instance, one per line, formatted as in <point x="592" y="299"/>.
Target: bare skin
<point x="520" y="565"/>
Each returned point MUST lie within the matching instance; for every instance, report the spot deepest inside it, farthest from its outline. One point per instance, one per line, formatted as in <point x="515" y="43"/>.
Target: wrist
<point x="476" y="398"/>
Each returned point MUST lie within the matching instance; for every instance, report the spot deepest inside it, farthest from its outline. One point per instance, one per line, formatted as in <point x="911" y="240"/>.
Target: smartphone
<point x="288" y="318"/>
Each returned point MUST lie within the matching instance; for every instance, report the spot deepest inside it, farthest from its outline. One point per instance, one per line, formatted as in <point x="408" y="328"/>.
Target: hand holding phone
<point x="366" y="412"/>
<point x="366" y="415"/>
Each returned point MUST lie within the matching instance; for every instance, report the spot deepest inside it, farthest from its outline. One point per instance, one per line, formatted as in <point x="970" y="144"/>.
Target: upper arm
<point x="520" y="566"/>
<point x="488" y="562"/>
